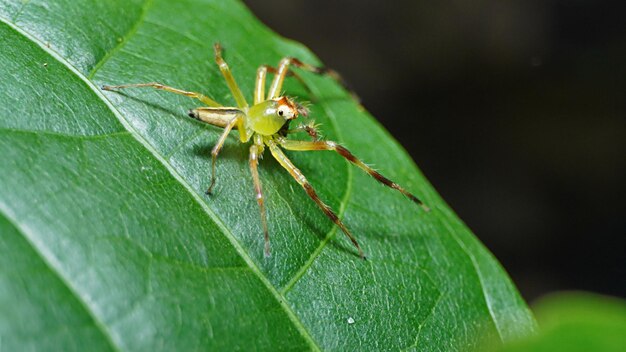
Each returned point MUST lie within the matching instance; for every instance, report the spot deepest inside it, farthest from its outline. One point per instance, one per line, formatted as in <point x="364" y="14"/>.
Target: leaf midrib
<point x="282" y="301"/>
<point x="344" y="200"/>
<point x="349" y="181"/>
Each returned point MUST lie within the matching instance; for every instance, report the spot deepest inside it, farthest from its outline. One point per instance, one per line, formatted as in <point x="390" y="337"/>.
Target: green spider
<point x="266" y="124"/>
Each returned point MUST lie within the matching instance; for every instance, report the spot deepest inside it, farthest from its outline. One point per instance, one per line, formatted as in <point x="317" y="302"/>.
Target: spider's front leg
<point x="283" y="71"/>
<point x="261" y="74"/>
<point x="299" y="177"/>
<point x="329" y="145"/>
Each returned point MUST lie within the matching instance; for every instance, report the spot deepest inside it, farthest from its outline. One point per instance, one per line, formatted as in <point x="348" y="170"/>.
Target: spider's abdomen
<point x="263" y="118"/>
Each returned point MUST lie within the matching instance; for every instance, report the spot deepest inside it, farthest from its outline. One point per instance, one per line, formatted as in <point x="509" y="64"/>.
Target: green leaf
<point x="576" y="321"/>
<point x="109" y="242"/>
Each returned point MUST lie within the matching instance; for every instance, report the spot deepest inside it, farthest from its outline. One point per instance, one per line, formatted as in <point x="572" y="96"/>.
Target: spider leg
<point x="261" y="74"/>
<point x="228" y="76"/>
<point x="208" y="101"/>
<point x="218" y="147"/>
<point x="329" y="145"/>
<point x="219" y="117"/>
<point x="299" y="177"/>
<point x="259" y="85"/>
<point x="255" y="152"/>
<point x="283" y="69"/>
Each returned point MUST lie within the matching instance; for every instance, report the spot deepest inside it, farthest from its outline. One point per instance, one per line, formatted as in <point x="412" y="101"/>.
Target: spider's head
<point x="290" y="109"/>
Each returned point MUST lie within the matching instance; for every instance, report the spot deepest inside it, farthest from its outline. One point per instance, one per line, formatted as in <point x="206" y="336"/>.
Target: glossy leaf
<point x="108" y="240"/>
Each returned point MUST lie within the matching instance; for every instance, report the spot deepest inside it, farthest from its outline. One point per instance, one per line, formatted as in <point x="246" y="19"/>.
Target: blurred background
<point x="514" y="110"/>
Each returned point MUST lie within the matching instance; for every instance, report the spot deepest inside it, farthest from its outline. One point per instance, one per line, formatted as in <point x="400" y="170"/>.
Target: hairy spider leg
<point x="218" y="146"/>
<point x="283" y="70"/>
<point x="330" y="145"/>
<point x="299" y="177"/>
<point x="255" y="152"/>
<point x="203" y="98"/>
<point x="228" y="76"/>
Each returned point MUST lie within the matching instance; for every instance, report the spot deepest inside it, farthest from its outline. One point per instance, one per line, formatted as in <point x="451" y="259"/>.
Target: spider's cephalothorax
<point x="267" y="124"/>
<point x="268" y="117"/>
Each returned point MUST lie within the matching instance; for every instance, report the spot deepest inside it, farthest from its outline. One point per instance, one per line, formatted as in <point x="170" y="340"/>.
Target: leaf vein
<point x="51" y="263"/>
<point x="478" y="274"/>
<point x="20" y="11"/>
<point x="421" y="325"/>
<point x="130" y="33"/>
<point x="342" y="208"/>
<point x="220" y="224"/>
<point x="61" y="134"/>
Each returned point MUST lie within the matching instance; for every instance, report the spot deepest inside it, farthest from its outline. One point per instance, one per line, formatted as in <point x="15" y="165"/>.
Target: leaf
<point x="576" y="321"/>
<point x="108" y="240"/>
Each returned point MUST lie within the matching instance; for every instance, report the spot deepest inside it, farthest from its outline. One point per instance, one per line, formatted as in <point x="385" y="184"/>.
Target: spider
<point x="266" y="124"/>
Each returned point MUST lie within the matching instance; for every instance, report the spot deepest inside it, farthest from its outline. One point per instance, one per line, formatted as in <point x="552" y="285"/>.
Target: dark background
<point x="514" y="110"/>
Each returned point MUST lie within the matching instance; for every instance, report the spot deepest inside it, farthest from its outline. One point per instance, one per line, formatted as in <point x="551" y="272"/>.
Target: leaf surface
<point x="576" y="322"/>
<point x="109" y="241"/>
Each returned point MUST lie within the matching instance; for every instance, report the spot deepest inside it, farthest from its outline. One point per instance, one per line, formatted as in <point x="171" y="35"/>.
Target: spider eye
<point x="285" y="112"/>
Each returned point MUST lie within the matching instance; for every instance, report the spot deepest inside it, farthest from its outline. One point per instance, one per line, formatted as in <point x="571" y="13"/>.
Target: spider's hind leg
<point x="203" y="98"/>
<point x="329" y="145"/>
